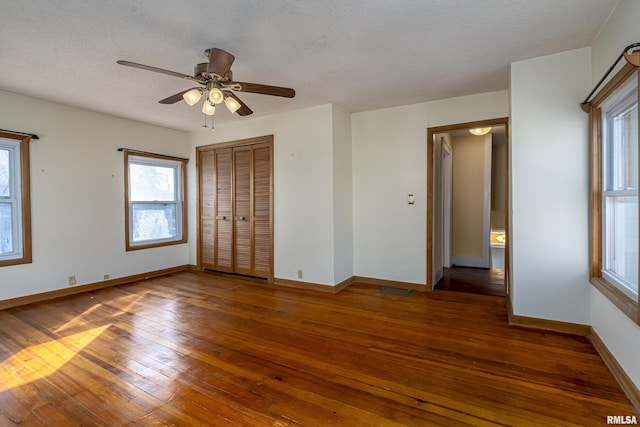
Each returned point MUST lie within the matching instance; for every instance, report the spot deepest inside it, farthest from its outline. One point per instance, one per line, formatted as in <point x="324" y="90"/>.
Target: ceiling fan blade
<point x="264" y="89"/>
<point x="243" y="110"/>
<point x="160" y="70"/>
<point x="219" y="62"/>
<point x="175" y="98"/>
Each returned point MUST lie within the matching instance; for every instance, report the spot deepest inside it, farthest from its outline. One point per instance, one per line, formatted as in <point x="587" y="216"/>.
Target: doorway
<point x="467" y="200"/>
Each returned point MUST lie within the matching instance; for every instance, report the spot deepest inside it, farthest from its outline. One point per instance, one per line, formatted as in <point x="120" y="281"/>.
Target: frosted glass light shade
<point x="232" y="104"/>
<point x="192" y="97"/>
<point x="216" y="96"/>
<point x="480" y="131"/>
<point x="208" y="108"/>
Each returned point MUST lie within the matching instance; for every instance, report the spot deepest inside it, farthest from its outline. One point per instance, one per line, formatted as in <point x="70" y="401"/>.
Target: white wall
<point x="619" y="333"/>
<point x="303" y="188"/>
<point x="620" y="30"/>
<point x="390" y="162"/>
<point x="342" y="195"/>
<point x="549" y="172"/>
<point x="77" y="195"/>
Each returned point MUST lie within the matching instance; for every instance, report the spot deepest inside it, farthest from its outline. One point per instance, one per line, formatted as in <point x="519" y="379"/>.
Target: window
<point x="620" y="188"/>
<point x="155" y="188"/>
<point x="615" y="246"/>
<point x="15" y="211"/>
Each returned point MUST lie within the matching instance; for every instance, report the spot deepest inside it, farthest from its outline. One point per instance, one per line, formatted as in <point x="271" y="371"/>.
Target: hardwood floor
<point x="483" y="281"/>
<point x="199" y="349"/>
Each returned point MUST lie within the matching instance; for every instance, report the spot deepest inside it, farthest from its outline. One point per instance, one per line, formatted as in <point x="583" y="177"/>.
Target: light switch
<point x="411" y="199"/>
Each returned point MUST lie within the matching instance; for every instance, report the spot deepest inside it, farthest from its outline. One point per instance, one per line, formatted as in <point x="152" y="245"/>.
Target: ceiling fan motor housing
<point x="200" y="70"/>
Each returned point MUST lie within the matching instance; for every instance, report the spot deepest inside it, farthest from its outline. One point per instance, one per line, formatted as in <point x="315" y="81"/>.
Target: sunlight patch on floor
<point x="41" y="360"/>
<point x="77" y="321"/>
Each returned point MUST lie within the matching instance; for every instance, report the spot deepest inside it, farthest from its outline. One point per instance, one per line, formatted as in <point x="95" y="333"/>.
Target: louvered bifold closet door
<point x="223" y="239"/>
<point x="207" y="209"/>
<point x="242" y="209"/>
<point x="262" y="211"/>
<point x="236" y="208"/>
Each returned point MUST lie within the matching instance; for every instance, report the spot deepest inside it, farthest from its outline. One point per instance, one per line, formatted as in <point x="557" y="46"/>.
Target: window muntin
<point x="15" y="228"/>
<point x="620" y="242"/>
<point x="155" y="205"/>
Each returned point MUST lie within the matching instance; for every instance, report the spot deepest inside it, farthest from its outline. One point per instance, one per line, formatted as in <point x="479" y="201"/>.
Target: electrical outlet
<point x="72" y="280"/>
<point x="105" y="277"/>
<point x="299" y="274"/>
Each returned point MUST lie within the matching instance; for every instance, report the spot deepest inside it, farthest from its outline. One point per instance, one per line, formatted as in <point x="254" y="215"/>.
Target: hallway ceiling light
<point x="480" y="131"/>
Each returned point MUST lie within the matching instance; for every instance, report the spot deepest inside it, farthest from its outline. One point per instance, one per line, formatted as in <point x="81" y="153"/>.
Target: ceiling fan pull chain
<point x="205" y="121"/>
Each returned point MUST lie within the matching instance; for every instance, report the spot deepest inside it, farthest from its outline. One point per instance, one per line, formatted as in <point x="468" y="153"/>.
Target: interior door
<point x="242" y="210"/>
<point x="446" y="203"/>
<point x="262" y="197"/>
<point x="236" y="207"/>
<point x="207" y="209"/>
<point x="223" y="238"/>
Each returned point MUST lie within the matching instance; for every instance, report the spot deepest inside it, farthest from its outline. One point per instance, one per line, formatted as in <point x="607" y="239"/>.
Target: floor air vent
<point x="396" y="291"/>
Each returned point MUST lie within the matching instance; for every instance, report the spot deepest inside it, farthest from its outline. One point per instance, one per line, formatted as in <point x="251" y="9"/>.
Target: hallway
<point x="482" y="281"/>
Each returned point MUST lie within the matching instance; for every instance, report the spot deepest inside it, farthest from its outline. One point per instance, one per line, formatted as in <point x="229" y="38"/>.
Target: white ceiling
<point x="361" y="54"/>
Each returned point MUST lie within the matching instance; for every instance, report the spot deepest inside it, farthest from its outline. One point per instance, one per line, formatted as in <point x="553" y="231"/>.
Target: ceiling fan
<point x="217" y="83"/>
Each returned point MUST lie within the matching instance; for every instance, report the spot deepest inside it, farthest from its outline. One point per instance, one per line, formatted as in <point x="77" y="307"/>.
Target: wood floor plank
<point x="201" y="349"/>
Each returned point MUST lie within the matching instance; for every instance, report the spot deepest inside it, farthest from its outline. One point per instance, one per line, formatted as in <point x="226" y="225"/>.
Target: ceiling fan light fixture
<point x="216" y="96"/>
<point x="480" y="131"/>
<point x="216" y="78"/>
<point x="232" y="104"/>
<point x="192" y="96"/>
<point x="208" y="108"/>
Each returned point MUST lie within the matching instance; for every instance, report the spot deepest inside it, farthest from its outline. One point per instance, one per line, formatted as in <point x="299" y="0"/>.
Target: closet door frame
<point x="266" y="140"/>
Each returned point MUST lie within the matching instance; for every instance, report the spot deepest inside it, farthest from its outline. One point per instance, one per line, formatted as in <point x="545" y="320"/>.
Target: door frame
<point x="430" y="250"/>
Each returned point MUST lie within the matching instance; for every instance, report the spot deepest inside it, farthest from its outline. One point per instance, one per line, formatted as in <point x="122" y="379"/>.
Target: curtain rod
<point x="153" y="154"/>
<point x="624" y="52"/>
<point x="32" y="135"/>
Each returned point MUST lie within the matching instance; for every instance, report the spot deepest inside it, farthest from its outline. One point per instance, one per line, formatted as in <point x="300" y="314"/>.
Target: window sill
<point x="130" y="247"/>
<point x="627" y="305"/>
<point x="15" y="261"/>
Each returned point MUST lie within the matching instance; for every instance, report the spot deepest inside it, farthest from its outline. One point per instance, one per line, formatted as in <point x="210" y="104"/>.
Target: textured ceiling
<point x="361" y="54"/>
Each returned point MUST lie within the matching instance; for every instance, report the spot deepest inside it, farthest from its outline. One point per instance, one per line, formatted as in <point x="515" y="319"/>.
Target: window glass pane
<point x="625" y="149"/>
<point x="5" y="181"/>
<point x="154" y="221"/>
<point x="621" y="239"/>
<point x="6" y="228"/>
<point x="151" y="183"/>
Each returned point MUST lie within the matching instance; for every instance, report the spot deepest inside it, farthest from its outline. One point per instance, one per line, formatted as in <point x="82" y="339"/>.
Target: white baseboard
<point x="465" y="261"/>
